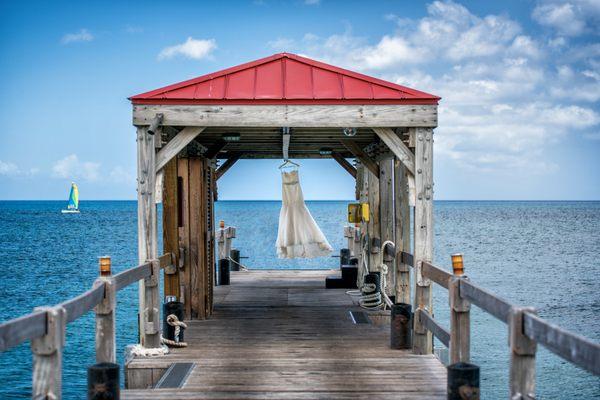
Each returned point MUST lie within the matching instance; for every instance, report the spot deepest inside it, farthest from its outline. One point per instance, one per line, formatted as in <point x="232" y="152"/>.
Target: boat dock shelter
<point x="289" y="334"/>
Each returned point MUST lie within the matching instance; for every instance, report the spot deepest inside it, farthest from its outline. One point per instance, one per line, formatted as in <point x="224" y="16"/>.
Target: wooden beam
<point x="226" y="165"/>
<point x="423" y="234"/>
<point x="215" y="149"/>
<point x="403" y="153"/>
<point x="359" y="153"/>
<point x="176" y="144"/>
<point x="170" y="217"/>
<point x="147" y="240"/>
<point x="402" y="227"/>
<point x="386" y="216"/>
<point x="344" y="163"/>
<point x="155" y="125"/>
<point x="325" y="116"/>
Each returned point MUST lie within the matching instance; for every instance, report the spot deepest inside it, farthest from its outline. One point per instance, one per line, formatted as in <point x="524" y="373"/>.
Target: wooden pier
<point x="282" y="335"/>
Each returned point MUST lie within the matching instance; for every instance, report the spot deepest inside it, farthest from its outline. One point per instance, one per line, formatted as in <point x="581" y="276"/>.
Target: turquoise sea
<point x="544" y="254"/>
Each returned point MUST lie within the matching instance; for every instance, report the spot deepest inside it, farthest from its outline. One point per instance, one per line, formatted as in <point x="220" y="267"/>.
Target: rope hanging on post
<point x="179" y="325"/>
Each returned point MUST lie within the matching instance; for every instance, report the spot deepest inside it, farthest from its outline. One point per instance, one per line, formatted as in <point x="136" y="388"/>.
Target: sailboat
<point x="73" y="205"/>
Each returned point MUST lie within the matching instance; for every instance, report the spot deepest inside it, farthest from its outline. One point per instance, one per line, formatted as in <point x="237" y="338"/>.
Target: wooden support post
<point x="175" y="145"/>
<point x="147" y="240"/>
<point x="105" y="315"/>
<point x="386" y="215"/>
<point x="460" y="323"/>
<point x="197" y="236"/>
<point x="170" y="217"/>
<point x="183" y="177"/>
<point x="402" y="234"/>
<point x="374" y="224"/>
<point x="423" y="233"/>
<point x="47" y="355"/>
<point x="152" y="325"/>
<point x="522" y="356"/>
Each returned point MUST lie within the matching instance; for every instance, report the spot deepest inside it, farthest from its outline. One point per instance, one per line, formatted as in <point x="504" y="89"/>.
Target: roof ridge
<point x="413" y="93"/>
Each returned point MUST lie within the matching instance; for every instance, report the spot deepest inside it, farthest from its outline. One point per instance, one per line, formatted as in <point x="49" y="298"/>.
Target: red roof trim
<point x="413" y="96"/>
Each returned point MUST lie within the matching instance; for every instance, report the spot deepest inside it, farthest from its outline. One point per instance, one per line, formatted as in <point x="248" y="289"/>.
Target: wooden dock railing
<point x="45" y="326"/>
<point x="526" y="329"/>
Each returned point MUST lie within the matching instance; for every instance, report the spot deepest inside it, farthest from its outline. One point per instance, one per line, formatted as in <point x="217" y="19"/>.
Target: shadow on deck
<point x="282" y="335"/>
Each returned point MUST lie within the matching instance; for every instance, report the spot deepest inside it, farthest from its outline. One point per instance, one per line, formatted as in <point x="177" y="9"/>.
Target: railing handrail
<point x="33" y="325"/>
<point x="574" y="348"/>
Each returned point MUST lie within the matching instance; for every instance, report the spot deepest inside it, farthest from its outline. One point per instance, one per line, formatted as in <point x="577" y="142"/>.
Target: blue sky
<point x="520" y="82"/>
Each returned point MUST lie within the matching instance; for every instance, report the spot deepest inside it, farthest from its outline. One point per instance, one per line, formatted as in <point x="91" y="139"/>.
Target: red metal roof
<point x="285" y="79"/>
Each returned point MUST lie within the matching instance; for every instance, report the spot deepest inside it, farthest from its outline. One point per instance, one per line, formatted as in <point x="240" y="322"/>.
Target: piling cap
<point x="221" y="224"/>
<point x="457" y="264"/>
<point x="105" y="265"/>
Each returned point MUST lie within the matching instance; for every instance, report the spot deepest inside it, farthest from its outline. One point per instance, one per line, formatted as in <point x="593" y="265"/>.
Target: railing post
<point x="522" y="356"/>
<point x="47" y="355"/>
<point x="151" y="311"/>
<point x="460" y="324"/>
<point x="105" y="315"/>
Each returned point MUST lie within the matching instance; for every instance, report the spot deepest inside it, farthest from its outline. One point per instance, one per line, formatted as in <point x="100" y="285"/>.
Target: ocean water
<point x="544" y="254"/>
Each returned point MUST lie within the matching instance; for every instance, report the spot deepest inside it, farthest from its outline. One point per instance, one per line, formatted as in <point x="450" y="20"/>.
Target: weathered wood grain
<point x="460" y="323"/>
<point x="177" y="144"/>
<point x="47" y="355"/>
<point x="147" y="231"/>
<point x="21" y="329"/>
<point x="522" y="356"/>
<point x="183" y="174"/>
<point x="106" y="343"/>
<point x="132" y="275"/>
<point x="423" y="232"/>
<point x="434" y="327"/>
<point x="281" y="334"/>
<point x="402" y="233"/>
<point x="321" y="116"/>
<point x="486" y="300"/>
<point x="80" y="305"/>
<point x="568" y="345"/>
<point x="386" y="217"/>
<point x="400" y="150"/>
<point x="436" y="274"/>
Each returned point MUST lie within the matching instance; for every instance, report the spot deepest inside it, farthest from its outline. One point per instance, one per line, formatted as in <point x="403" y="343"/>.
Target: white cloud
<point x="12" y="170"/>
<point x="82" y="36"/>
<point x="282" y="44"/>
<point x="121" y="175"/>
<point x="71" y="168"/>
<point x="564" y="18"/>
<point x="196" y="49"/>
<point x="8" y="169"/>
<point x="506" y="94"/>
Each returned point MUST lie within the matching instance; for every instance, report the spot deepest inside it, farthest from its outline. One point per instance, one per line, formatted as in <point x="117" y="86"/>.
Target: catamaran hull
<point x="70" y="211"/>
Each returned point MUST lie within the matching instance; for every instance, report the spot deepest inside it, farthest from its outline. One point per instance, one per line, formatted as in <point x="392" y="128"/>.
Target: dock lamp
<point x="457" y="264"/>
<point x="231" y="137"/>
<point x="105" y="269"/>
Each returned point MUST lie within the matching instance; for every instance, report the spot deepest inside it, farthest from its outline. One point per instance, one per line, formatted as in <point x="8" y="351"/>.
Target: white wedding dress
<point x="299" y="235"/>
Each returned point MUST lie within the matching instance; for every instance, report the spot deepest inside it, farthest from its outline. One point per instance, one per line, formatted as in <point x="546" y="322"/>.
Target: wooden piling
<point x="386" y="215"/>
<point x="522" y="356"/>
<point x="105" y="315"/>
<point x="170" y="217"/>
<point x="152" y="324"/>
<point x="402" y="232"/>
<point x="423" y="233"/>
<point x="47" y="355"/>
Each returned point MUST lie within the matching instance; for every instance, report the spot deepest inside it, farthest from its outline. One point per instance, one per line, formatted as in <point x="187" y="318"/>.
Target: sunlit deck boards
<point x="282" y="335"/>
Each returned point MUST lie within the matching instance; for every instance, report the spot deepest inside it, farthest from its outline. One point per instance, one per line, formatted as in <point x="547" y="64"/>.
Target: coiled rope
<point x="368" y="297"/>
<point x="175" y="322"/>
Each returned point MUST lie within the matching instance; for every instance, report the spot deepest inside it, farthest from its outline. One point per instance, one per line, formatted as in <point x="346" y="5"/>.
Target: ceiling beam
<point x="215" y="149"/>
<point x="344" y="163"/>
<point x="175" y="145"/>
<point x="359" y="153"/>
<point x="400" y="150"/>
<point x="226" y="165"/>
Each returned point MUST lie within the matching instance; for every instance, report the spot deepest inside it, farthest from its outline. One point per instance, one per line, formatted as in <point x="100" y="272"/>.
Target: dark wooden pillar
<point x="170" y="218"/>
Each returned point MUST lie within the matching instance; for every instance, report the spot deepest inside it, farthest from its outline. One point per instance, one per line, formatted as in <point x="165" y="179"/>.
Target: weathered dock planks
<point x="280" y="334"/>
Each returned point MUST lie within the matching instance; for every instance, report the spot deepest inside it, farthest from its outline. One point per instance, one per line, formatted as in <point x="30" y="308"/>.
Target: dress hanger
<point x="287" y="163"/>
